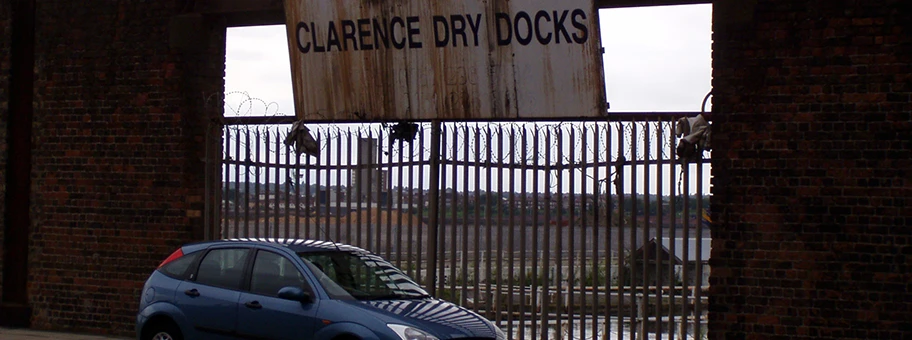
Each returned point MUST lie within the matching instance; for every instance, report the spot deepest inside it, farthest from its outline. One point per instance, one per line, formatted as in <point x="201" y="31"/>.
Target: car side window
<point x="272" y="272"/>
<point x="178" y="268"/>
<point x="222" y="268"/>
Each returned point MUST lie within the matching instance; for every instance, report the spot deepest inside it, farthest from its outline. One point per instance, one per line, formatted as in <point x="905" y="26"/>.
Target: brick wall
<point x="4" y="106"/>
<point x="812" y="170"/>
<point x="117" y="169"/>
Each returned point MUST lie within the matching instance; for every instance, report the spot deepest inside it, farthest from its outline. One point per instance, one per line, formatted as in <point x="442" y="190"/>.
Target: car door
<point x="209" y="300"/>
<point x="262" y="314"/>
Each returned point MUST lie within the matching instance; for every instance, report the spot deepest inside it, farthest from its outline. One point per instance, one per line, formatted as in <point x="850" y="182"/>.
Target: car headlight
<point x="500" y="333"/>
<point x="411" y="333"/>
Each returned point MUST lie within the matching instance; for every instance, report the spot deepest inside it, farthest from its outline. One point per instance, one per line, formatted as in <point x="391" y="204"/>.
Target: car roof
<point x="298" y="245"/>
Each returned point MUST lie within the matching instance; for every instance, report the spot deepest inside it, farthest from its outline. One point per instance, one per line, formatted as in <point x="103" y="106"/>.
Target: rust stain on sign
<point x="464" y="59"/>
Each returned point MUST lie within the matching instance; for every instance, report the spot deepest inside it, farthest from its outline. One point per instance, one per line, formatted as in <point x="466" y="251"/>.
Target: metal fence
<point x="554" y="230"/>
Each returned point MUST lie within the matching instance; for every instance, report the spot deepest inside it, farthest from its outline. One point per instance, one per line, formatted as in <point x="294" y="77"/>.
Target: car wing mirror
<point x="295" y="294"/>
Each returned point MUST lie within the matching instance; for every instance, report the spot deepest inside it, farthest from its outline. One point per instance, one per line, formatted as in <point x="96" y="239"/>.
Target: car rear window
<point x="178" y="268"/>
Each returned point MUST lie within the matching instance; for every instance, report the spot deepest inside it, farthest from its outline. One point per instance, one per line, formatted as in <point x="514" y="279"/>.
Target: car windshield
<point x="362" y="276"/>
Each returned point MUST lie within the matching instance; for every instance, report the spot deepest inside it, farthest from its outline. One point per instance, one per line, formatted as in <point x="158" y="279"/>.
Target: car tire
<point x="163" y="331"/>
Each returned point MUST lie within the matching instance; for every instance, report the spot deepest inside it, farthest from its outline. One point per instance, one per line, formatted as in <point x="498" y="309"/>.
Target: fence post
<point x="434" y="205"/>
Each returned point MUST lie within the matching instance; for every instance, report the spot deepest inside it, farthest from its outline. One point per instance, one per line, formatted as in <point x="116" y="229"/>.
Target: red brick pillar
<point x="123" y="96"/>
<point x="812" y="187"/>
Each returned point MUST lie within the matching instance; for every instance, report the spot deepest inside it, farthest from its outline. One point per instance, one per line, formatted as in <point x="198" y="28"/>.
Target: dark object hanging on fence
<point x="404" y="131"/>
<point x="302" y="140"/>
<point x="695" y="137"/>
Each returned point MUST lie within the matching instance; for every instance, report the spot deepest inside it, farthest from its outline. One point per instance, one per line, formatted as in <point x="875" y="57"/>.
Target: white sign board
<point x="463" y="59"/>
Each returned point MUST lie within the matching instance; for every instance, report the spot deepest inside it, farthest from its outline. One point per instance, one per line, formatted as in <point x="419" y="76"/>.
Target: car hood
<point x="441" y="318"/>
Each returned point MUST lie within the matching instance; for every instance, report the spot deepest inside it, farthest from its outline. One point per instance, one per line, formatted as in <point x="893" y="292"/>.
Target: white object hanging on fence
<point x="695" y="136"/>
<point x="299" y="136"/>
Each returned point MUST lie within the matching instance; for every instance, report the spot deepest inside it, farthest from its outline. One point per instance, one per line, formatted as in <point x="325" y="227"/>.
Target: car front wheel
<point x="164" y="331"/>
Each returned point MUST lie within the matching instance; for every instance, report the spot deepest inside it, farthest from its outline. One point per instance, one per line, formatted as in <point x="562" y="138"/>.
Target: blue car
<point x="294" y="289"/>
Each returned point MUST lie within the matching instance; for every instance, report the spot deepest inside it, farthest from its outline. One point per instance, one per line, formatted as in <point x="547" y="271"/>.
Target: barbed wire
<point x="532" y="154"/>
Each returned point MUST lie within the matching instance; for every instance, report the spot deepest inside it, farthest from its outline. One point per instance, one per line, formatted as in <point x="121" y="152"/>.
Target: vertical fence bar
<point x="524" y="208"/>
<point x="386" y="182"/>
<point x="348" y="188"/>
<point x="373" y="228"/>
<point x="318" y="232"/>
<point x="307" y="202"/>
<point x="571" y="239"/>
<point x="511" y="240"/>
<point x="698" y="276"/>
<point x="399" y="202"/>
<point x="298" y="185"/>
<point x="441" y="235"/>
<point x="374" y="201"/>
<point x="636" y="276"/>
<point x="558" y="253"/>
<point x="338" y="136"/>
<point x="476" y="213"/>
<point x="237" y="186"/>
<point x="289" y="184"/>
<point x="433" y="215"/>
<point x="454" y="222"/>
<point x="275" y="195"/>
<point x="646" y="232"/>
<point x="266" y="184"/>
<point x="634" y="229"/>
<point x="313" y="188"/>
<point x="647" y="211"/>
<point x="465" y="218"/>
<point x="608" y="230"/>
<point x="500" y="232"/>
<point x="497" y="276"/>
<point x="327" y="187"/>
<point x="536" y="211"/>
<point x="256" y="188"/>
<point x="660" y="283"/>
<point x="440" y="266"/>
<point x="596" y="274"/>
<point x="409" y="241"/>
<point x="584" y="167"/>
<point x="622" y="257"/>
<point x="351" y="192"/>
<point x="247" y="190"/>
<point x="672" y="231"/>
<point x="224" y="204"/>
<point x="359" y="188"/>
<point x="685" y="279"/>
<point x="489" y="226"/>
<point x="546" y="255"/>
<point x="421" y="198"/>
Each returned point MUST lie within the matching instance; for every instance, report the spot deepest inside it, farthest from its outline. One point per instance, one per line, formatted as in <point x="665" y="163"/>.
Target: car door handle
<point x="253" y="305"/>
<point x="192" y="293"/>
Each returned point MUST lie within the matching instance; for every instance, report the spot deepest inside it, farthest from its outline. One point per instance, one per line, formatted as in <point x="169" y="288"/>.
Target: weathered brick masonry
<point x="812" y="170"/>
<point x="120" y="117"/>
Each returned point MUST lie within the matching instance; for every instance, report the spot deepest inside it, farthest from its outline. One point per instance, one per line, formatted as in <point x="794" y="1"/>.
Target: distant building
<point x="671" y="252"/>
<point x="368" y="171"/>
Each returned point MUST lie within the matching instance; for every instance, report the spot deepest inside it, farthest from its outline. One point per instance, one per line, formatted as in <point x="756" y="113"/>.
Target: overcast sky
<point x="656" y="59"/>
